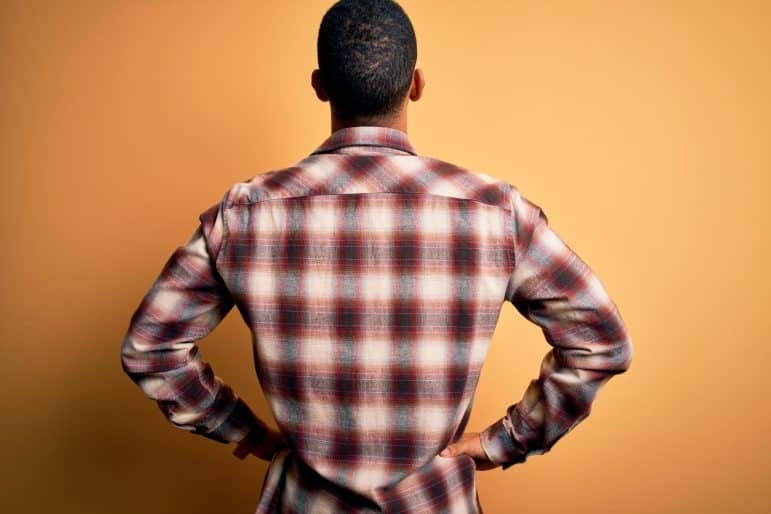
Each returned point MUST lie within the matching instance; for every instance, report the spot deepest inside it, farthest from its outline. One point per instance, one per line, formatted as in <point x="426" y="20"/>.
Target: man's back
<point x="372" y="280"/>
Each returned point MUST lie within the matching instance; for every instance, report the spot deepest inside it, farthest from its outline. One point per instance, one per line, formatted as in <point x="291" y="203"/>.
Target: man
<point x="371" y="279"/>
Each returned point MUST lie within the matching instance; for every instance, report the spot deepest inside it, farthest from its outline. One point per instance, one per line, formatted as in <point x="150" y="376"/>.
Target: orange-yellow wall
<point x="642" y="129"/>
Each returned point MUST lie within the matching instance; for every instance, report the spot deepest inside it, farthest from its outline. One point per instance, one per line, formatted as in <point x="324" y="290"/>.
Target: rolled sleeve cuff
<point x="500" y="446"/>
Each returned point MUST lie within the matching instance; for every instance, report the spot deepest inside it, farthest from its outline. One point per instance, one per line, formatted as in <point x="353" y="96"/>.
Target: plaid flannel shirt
<point x="372" y="279"/>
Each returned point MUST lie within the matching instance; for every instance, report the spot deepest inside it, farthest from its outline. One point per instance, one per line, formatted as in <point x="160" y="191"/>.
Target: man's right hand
<point x="470" y="444"/>
<point x="263" y="448"/>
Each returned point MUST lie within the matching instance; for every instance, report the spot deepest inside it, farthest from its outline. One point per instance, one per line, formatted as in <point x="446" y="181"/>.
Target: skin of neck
<point x="397" y="120"/>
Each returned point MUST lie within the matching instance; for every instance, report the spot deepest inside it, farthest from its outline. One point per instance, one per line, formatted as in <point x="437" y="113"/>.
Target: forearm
<point x="186" y="389"/>
<point x="559" y="399"/>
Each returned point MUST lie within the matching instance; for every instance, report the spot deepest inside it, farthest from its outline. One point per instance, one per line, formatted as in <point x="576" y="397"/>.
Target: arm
<point x="552" y="287"/>
<point x="159" y="352"/>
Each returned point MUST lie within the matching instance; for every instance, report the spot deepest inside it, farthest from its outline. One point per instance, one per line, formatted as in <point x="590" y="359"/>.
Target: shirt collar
<point x="369" y="136"/>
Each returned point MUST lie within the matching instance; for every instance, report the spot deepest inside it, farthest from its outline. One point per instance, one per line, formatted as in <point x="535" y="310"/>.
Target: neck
<point x="398" y="122"/>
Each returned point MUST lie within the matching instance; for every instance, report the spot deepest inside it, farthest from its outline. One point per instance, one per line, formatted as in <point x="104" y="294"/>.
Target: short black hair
<point x="367" y="52"/>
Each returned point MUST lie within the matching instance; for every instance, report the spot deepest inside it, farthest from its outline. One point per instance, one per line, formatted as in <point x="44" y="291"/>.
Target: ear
<point x="321" y="93"/>
<point x="418" y="83"/>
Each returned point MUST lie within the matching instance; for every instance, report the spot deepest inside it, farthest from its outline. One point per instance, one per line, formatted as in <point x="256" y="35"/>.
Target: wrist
<point x="500" y="446"/>
<point x="244" y="446"/>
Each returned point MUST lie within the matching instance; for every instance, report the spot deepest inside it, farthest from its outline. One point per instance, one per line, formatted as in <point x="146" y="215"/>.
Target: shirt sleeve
<point x="554" y="288"/>
<point x="159" y="351"/>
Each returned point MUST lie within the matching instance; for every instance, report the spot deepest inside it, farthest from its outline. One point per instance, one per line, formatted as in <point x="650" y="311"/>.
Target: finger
<point x="449" y="451"/>
<point x="454" y="450"/>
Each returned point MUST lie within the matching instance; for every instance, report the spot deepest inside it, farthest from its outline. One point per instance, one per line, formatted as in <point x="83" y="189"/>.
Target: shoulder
<point x="471" y="183"/>
<point x="266" y="185"/>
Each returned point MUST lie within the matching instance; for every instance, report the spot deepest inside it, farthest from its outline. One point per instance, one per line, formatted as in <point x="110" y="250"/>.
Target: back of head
<point x="367" y="52"/>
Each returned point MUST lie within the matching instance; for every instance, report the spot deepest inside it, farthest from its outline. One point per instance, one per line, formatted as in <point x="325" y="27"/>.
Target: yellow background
<point x="642" y="129"/>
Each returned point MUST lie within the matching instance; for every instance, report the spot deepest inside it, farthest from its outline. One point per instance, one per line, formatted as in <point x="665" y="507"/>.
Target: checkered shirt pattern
<point x="371" y="279"/>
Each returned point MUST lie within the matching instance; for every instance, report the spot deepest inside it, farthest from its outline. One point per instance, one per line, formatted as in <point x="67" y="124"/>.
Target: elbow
<point x="625" y="347"/>
<point x="130" y="355"/>
<point x="611" y="349"/>
<point x="628" y="351"/>
<point x="622" y="349"/>
<point x="622" y="354"/>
